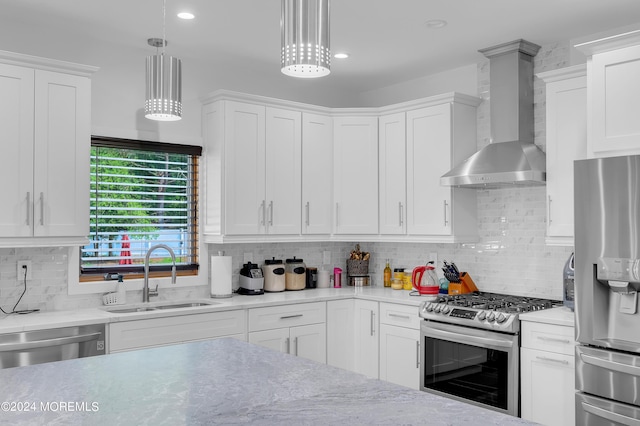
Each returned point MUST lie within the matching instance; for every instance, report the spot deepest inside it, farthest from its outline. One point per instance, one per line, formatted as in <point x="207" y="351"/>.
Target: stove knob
<point x="445" y="310"/>
<point x="482" y="315"/>
<point x="505" y="317"/>
<point x="491" y="317"/>
<point x="437" y="309"/>
<point x="429" y="307"/>
<point x="501" y="318"/>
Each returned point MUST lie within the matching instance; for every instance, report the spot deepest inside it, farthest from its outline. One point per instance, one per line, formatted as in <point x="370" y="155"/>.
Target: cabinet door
<point x="356" y="175"/>
<point x="16" y="151"/>
<point x="366" y="338"/>
<point x="392" y="173"/>
<point x="400" y="355"/>
<point x="245" y="201"/>
<point x="566" y="142"/>
<point x="340" y="333"/>
<point x="309" y="341"/>
<point x="317" y="174"/>
<point x="547" y="387"/>
<point x="429" y="148"/>
<point x="615" y="91"/>
<point x="62" y="147"/>
<point x="276" y="339"/>
<point x="283" y="171"/>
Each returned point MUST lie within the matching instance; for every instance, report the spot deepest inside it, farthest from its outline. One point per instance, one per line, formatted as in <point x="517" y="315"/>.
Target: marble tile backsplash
<point x="510" y="255"/>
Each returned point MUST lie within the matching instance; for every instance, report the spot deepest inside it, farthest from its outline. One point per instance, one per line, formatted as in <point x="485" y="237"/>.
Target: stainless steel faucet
<point x="146" y="293"/>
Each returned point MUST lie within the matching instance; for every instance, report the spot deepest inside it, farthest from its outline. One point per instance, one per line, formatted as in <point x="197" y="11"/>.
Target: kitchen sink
<point x="160" y="306"/>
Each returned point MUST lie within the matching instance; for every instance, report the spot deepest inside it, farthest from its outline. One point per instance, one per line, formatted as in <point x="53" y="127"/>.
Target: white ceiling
<point x="387" y="39"/>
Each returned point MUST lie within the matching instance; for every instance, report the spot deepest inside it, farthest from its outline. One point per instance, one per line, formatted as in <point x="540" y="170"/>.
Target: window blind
<point x="139" y="198"/>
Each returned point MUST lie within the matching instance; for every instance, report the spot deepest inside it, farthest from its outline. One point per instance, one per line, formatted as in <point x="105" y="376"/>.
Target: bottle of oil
<point x="387" y="275"/>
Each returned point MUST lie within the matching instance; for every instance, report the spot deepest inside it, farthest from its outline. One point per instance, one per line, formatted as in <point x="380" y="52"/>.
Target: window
<point x="142" y="194"/>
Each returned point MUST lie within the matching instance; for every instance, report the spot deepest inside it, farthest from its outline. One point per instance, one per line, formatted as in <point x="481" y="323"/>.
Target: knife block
<point x="465" y="285"/>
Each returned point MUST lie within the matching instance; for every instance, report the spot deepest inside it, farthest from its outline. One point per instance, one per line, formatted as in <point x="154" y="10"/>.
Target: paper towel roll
<point x="221" y="276"/>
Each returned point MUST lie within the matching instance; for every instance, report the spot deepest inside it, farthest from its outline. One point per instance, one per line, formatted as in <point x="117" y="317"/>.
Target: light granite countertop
<point x="55" y="319"/>
<point x="221" y="381"/>
<point x="557" y="316"/>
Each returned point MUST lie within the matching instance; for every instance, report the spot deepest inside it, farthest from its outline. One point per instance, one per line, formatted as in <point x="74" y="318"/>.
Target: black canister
<point x="312" y="277"/>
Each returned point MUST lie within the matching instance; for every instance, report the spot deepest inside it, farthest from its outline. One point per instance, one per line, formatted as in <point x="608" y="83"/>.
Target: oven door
<point x="476" y="366"/>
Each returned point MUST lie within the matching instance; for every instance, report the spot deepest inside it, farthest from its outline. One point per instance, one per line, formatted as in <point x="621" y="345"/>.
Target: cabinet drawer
<point x="548" y="337"/>
<point x="287" y="316"/>
<point x="399" y="315"/>
<point x="167" y="330"/>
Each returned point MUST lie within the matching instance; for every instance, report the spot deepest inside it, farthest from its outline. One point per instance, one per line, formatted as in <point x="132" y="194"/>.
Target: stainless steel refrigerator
<point x="607" y="281"/>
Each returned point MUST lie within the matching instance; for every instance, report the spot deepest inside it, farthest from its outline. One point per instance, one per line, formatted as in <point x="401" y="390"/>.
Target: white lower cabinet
<point x="294" y="329"/>
<point x="400" y="345"/>
<point x="129" y="335"/>
<point x="367" y="333"/>
<point x="547" y="374"/>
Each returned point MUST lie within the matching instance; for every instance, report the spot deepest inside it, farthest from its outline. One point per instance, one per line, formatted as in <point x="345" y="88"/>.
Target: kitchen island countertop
<point x="223" y="381"/>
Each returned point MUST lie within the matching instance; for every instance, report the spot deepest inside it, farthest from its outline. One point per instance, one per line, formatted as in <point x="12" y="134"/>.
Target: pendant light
<point x="164" y="81"/>
<point x="304" y="29"/>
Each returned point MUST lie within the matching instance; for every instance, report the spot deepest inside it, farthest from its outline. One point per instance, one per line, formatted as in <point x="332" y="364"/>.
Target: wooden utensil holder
<point x="465" y="285"/>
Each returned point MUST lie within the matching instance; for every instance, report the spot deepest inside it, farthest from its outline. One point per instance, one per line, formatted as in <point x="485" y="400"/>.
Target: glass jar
<point x="407" y="285"/>
<point x="295" y="274"/>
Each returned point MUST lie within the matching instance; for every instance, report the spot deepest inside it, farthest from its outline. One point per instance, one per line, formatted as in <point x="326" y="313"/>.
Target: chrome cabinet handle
<point x="417" y="354"/>
<point x="271" y="213"/>
<point x="42" y="209"/>
<point x="446" y="222"/>
<point x="264" y="212"/>
<point x="295" y="345"/>
<point x="287" y="343"/>
<point x="553" y="339"/>
<point x="373" y="327"/>
<point x="549" y="210"/>
<point x="307" y="207"/>
<point x="28" y="208"/>
<point x="400" y="208"/>
<point x="391" y="314"/>
<point x="560" y="361"/>
<point x="291" y="316"/>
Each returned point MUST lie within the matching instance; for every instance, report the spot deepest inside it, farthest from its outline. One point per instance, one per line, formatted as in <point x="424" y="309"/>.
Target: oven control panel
<point x="480" y="318"/>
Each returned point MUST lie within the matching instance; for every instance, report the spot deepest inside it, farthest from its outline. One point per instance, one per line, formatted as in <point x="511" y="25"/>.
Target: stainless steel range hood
<point x="512" y="158"/>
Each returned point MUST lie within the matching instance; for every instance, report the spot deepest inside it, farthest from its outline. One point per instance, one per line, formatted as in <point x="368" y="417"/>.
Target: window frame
<point x="191" y="274"/>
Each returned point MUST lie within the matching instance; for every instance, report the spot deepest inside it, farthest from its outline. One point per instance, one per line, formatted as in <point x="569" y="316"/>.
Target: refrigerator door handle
<point x="609" y="415"/>
<point x="610" y="365"/>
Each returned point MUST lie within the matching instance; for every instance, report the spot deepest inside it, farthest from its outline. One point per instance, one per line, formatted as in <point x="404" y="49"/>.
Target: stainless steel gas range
<point x="471" y="347"/>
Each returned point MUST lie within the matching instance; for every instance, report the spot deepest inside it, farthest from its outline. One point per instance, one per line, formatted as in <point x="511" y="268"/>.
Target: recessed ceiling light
<point x="434" y="24"/>
<point x="341" y="55"/>
<point x="186" y="15"/>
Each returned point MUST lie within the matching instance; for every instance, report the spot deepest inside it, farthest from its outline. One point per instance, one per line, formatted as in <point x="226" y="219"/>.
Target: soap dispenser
<point x="121" y="291"/>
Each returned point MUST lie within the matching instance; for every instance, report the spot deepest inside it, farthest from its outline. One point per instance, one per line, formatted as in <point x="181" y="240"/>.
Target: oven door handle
<point x="486" y="342"/>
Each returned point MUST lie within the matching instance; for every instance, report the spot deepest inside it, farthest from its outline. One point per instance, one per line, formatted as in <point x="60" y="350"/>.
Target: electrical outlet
<point x="326" y="257"/>
<point x="22" y="264"/>
<point x="248" y="257"/>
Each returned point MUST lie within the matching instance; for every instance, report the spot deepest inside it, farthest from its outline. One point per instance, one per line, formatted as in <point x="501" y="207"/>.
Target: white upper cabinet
<point x="392" y="173"/>
<point x="244" y="148"/>
<point x="566" y="120"/>
<point x="46" y="139"/>
<point x="355" y="145"/>
<point x="613" y="66"/>
<point x="439" y="137"/>
<point x="262" y="157"/>
<point x="283" y="171"/>
<point x="317" y="174"/>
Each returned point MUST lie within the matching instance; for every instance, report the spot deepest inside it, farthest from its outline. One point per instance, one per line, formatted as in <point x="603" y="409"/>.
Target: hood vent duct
<point x="512" y="158"/>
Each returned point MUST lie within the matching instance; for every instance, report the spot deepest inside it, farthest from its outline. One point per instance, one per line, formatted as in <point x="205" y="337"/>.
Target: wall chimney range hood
<point x="512" y="158"/>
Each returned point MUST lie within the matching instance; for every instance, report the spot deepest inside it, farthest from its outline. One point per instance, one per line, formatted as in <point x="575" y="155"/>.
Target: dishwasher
<point x="55" y="344"/>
